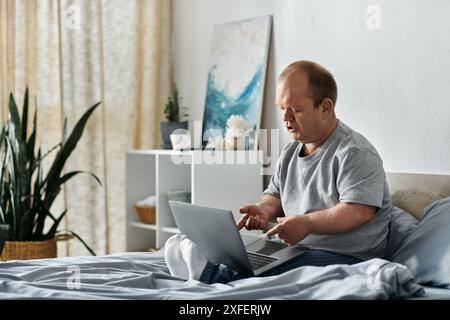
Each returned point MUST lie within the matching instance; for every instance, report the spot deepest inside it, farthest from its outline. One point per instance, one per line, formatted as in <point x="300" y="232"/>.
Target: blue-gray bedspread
<point x="145" y="276"/>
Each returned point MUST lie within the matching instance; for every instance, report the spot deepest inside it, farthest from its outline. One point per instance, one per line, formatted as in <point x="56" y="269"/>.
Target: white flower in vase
<point x="236" y="133"/>
<point x="237" y="122"/>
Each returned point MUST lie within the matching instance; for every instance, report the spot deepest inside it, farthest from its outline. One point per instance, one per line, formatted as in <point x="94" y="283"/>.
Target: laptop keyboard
<point x="257" y="261"/>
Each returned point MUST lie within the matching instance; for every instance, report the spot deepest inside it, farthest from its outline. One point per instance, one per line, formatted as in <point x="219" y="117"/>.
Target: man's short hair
<point x="321" y="82"/>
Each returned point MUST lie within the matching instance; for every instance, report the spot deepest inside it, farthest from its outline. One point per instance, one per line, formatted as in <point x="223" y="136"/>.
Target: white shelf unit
<point x="221" y="179"/>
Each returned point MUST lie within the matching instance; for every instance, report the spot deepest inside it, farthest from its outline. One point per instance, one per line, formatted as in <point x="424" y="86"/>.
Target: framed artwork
<point x="236" y="76"/>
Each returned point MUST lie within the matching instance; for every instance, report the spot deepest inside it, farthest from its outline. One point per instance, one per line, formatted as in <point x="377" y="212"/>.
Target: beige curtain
<point x="72" y="54"/>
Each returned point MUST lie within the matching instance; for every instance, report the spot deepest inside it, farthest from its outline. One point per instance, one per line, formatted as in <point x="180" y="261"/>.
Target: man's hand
<point x="254" y="218"/>
<point x="291" y="229"/>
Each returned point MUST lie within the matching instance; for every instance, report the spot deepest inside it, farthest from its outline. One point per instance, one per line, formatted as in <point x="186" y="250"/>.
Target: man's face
<point x="300" y="118"/>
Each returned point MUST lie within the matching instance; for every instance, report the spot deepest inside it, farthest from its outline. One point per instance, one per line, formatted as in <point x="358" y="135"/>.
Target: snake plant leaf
<point x="29" y="166"/>
<point x="71" y="174"/>
<point x="2" y="216"/>
<point x="54" y="227"/>
<point x="39" y="222"/>
<point x="30" y="145"/>
<point x="3" y="209"/>
<point x="14" y="114"/>
<point x="19" y="174"/>
<point x="12" y="186"/>
<point x="2" y="134"/>
<point x="52" y="177"/>
<point x="27" y="220"/>
<point x="4" y="234"/>
<point x="11" y="210"/>
<point x="17" y="147"/>
<point x="38" y="183"/>
<point x="2" y="178"/>
<point x="51" y="197"/>
<point x="23" y="225"/>
<point x="50" y="151"/>
<point x="81" y="240"/>
<point x="38" y="231"/>
<point x="15" y="125"/>
<point x="25" y="115"/>
<point x="5" y="205"/>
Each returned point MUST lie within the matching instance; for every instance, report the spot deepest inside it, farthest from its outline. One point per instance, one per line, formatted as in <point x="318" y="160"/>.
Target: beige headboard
<point x="413" y="192"/>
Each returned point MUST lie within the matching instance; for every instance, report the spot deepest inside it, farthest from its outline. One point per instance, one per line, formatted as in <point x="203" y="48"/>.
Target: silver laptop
<point x="218" y="239"/>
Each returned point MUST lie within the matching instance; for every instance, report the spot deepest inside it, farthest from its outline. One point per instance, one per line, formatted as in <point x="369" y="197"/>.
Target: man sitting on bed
<point x="328" y="193"/>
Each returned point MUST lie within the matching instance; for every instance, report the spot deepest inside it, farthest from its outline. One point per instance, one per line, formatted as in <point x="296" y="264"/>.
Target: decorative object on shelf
<point x="237" y="136"/>
<point x="180" y="141"/>
<point x="175" y="115"/>
<point x="179" y="195"/>
<point x="236" y="76"/>
<point x="146" y="210"/>
<point x="237" y="133"/>
<point x="26" y="193"/>
<point x="215" y="143"/>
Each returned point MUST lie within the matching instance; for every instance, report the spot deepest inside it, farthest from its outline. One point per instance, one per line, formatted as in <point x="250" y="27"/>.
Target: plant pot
<point x="26" y="250"/>
<point x="166" y="130"/>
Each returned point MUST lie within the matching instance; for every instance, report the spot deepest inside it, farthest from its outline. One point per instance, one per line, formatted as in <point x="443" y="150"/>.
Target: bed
<point x="144" y="275"/>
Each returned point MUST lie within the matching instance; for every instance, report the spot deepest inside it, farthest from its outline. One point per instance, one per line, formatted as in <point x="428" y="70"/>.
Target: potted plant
<point x="26" y="192"/>
<point x="174" y="115"/>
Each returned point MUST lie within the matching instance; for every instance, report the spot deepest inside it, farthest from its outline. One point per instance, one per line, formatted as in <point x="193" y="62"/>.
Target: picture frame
<point x="236" y="77"/>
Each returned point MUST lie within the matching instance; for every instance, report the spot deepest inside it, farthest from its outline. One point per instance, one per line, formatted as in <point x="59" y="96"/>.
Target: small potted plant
<point x="175" y="115"/>
<point x="27" y="192"/>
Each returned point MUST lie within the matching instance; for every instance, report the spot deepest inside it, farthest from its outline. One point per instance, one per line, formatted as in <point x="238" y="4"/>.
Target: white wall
<point x="394" y="83"/>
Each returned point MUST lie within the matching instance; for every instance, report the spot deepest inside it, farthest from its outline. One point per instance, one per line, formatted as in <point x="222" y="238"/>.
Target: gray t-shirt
<point x="346" y="168"/>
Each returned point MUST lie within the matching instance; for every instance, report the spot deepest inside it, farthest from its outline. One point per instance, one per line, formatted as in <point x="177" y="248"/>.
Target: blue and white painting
<point x="236" y="74"/>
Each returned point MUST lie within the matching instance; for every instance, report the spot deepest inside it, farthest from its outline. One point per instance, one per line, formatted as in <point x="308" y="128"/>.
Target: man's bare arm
<point x="271" y="205"/>
<point x="341" y="218"/>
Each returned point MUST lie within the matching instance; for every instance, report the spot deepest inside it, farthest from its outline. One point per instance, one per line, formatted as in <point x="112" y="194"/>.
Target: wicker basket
<point x="25" y="250"/>
<point x="146" y="214"/>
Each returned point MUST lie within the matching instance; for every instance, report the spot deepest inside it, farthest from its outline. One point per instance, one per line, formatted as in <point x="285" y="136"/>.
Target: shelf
<point x="220" y="179"/>
<point x="171" y="229"/>
<point x="153" y="227"/>
<point x="161" y="152"/>
<point x="143" y="225"/>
